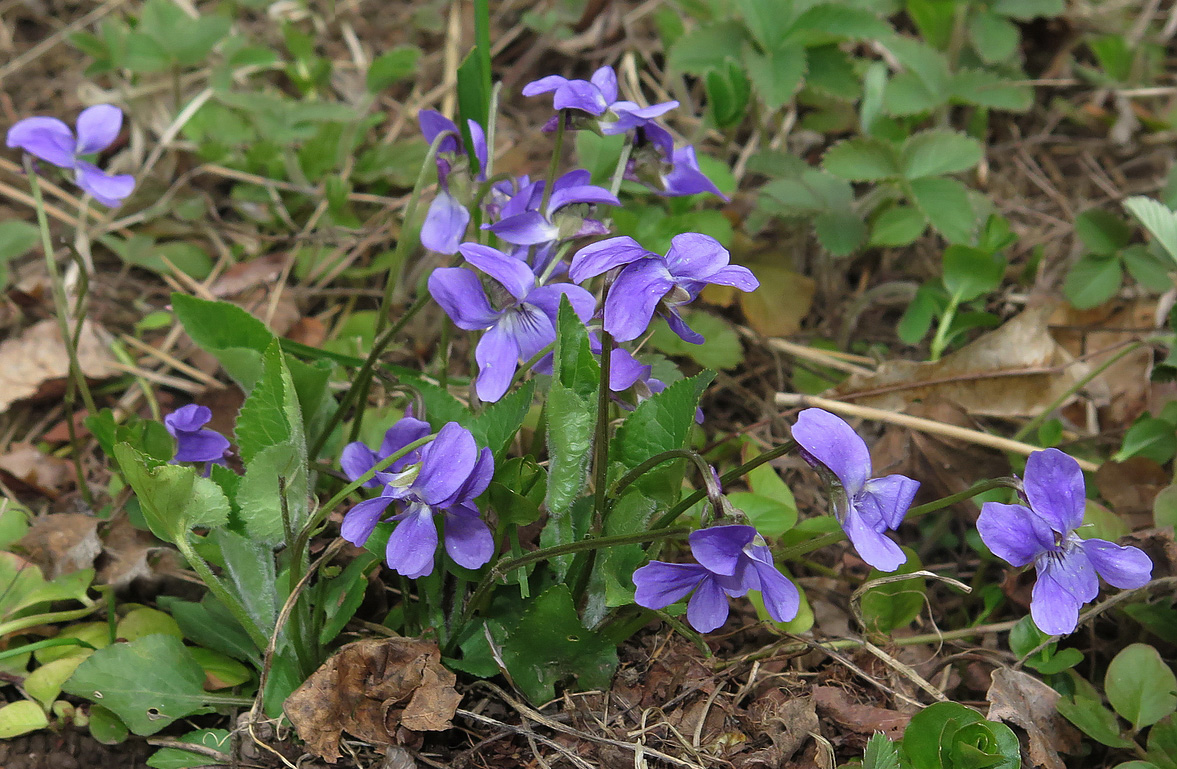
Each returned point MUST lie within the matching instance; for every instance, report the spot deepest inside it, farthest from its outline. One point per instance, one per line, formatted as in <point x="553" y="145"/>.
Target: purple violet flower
<point x="1044" y="533"/>
<point x="52" y="141"/>
<point x="358" y="459"/>
<point x="525" y="324"/>
<point x="865" y="508"/>
<point x="445" y="222"/>
<point x="593" y="96"/>
<point x="731" y="561"/>
<point x="523" y="224"/>
<point x="195" y="442"/>
<point x="649" y="282"/>
<point x="626" y="372"/>
<point x="449" y="475"/>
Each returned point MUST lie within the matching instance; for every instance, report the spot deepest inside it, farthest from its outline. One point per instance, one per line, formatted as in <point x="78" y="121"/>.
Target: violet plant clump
<point x="51" y="140"/>
<point x="1045" y="532"/>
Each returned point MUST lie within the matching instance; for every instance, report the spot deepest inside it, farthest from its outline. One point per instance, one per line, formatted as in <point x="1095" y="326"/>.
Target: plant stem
<point x="671" y="515"/>
<point x="259" y="638"/>
<point x="554" y="165"/>
<point x="505" y="567"/>
<point x="633" y="475"/>
<point x="601" y="437"/>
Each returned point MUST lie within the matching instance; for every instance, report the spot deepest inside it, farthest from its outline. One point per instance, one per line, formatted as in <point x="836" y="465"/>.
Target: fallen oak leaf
<point x="371" y="689"/>
<point x="1024" y="701"/>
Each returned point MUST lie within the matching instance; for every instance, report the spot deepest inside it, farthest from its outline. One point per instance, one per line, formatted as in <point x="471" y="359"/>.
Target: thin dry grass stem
<point x="830" y="358"/>
<point x="527" y="712"/>
<point x="51" y="42"/>
<point x="906" y="671"/>
<point x="172" y="361"/>
<point x="526" y="731"/>
<point x="793" y="400"/>
<point x="279" y="287"/>
<point x="173" y="130"/>
<point x="180" y="278"/>
<point x="12" y="193"/>
<point x="844" y="660"/>
<point x="192" y="388"/>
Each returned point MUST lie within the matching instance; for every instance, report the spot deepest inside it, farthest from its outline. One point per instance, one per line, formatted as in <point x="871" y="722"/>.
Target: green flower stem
<point x="601" y="435"/>
<point x="619" y="169"/>
<point x="666" y="456"/>
<point x="530" y="363"/>
<point x="235" y="607"/>
<point x="830" y="538"/>
<point x="940" y="340"/>
<point x="505" y="567"/>
<point x="1034" y="423"/>
<point x="50" y="618"/>
<point x="671" y="515"/>
<point x="554" y="166"/>
<point x="364" y="373"/>
<point x="61" y="305"/>
<point x="358" y="392"/>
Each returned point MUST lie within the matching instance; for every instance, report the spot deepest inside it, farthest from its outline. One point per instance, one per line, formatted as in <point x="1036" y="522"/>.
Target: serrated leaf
<point x="1140" y="686"/>
<point x="767" y="20"/>
<point x="985" y="88"/>
<point x="660" y="423"/>
<point x="173" y="498"/>
<point x="706" y="48"/>
<point x="840" y="232"/>
<point x="994" y="38"/>
<point x="926" y="63"/>
<point x="1102" y="232"/>
<point x="970" y="272"/>
<point x="880" y="753"/>
<point x="898" y="226"/>
<point x="939" y="151"/>
<point x="1093" y="280"/>
<point x="776" y="74"/>
<point x="947" y="205"/>
<point x="233" y="336"/>
<point x="906" y="94"/>
<point x="167" y="683"/>
<point x="862" y="160"/>
<point x="1026" y="10"/>
<point x="549" y="645"/>
<point x="391" y="66"/>
<point x="842" y="20"/>
<point x="498" y="423"/>
<point x="1160" y="222"/>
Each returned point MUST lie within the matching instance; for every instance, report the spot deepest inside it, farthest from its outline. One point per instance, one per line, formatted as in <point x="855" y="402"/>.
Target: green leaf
<point x="394" y="65"/>
<point x="898" y="225"/>
<point x="843" y="20"/>
<point x="498" y="423"/>
<point x="776" y="74"/>
<point x="146" y="54"/>
<point x="705" y="48"/>
<point x="881" y="753"/>
<point x="1162" y="743"/>
<point x="210" y="624"/>
<point x="893" y="604"/>
<point x="17" y="238"/>
<point x="906" y="94"/>
<point x="1140" y="686"/>
<point x="1160" y="620"/>
<point x="1026" y="10"/>
<point x="252" y="577"/>
<point x="927" y="64"/>
<point x="1065" y="659"/>
<point x="660" y="423"/>
<point x="473" y="96"/>
<point x="840" y="232"/>
<point x="611" y="584"/>
<point x="571" y="421"/>
<point x="272" y="444"/>
<point x="342" y="595"/>
<point x="1102" y="232"/>
<point x="550" y="645"/>
<point x="939" y="151"/>
<point x="728" y="92"/>
<point x="721" y="349"/>
<point x="928" y="736"/>
<point x="1160" y="222"/>
<point x="1093" y="280"/>
<point x="1094" y="720"/>
<point x="970" y="273"/>
<point x="946" y="204"/>
<point x="518" y="490"/>
<point x="1152" y="270"/>
<point x="233" y="336"/>
<point x="993" y="37"/>
<point x="767" y="20"/>
<point x="178" y="758"/>
<point x="1148" y="437"/>
<point x="862" y="160"/>
<point x="198" y="38"/>
<point x="167" y="683"/>
<point x="173" y="498"/>
<point x="934" y="19"/>
<point x="106" y="726"/>
<point x="771" y="517"/>
<point x="21" y="717"/>
<point x="985" y="88"/>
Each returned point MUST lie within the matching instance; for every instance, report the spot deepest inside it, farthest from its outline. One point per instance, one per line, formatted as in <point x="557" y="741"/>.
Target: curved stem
<point x="218" y="589"/>
<point x="673" y="513"/>
<point x="624" y="481"/>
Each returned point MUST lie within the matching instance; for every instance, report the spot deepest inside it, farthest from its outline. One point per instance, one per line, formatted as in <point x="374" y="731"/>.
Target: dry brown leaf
<point x="33" y="362"/>
<point x="372" y="689"/>
<point x="1130" y="487"/>
<point x="1098" y="335"/>
<point x="1016" y="370"/>
<point x="788" y="722"/>
<point x="864" y="719"/>
<point x="62" y="543"/>
<point x="1030" y="704"/>
<point x="256" y="272"/>
<point x="129" y="554"/>
<point x="24" y="466"/>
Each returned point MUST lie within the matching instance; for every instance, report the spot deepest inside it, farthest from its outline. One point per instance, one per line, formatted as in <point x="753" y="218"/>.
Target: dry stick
<point x="50" y="42"/>
<point x="792" y="400"/>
